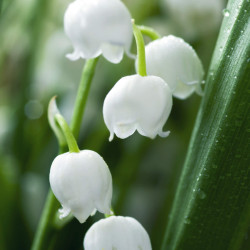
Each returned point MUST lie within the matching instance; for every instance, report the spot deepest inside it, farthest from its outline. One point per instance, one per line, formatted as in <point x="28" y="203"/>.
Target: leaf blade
<point x="206" y="212"/>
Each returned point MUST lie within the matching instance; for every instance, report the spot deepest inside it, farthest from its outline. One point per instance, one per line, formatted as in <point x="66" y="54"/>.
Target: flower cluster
<point x="81" y="180"/>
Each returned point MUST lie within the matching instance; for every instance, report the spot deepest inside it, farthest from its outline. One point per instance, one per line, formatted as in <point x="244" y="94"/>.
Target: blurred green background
<point x="33" y="68"/>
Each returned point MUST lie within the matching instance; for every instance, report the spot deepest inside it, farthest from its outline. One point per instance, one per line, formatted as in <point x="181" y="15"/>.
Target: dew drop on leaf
<point x="226" y="13"/>
<point x="187" y="220"/>
<point x="201" y="194"/>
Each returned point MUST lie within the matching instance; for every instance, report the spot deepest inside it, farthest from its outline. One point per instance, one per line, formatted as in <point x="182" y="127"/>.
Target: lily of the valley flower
<point x="137" y="103"/>
<point x="98" y="27"/>
<point x="175" y="61"/>
<point x="117" y="232"/>
<point x="82" y="183"/>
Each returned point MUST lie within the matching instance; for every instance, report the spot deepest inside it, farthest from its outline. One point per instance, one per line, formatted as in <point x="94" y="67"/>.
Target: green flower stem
<point x="108" y="215"/>
<point x="82" y="95"/>
<point x="48" y="225"/>
<point x="140" y="51"/>
<point x="148" y="31"/>
<point x="73" y="147"/>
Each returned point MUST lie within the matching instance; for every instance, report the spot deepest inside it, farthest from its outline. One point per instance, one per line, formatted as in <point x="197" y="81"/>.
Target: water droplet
<point x="226" y="13"/>
<point x="201" y="194"/>
<point x="187" y="220"/>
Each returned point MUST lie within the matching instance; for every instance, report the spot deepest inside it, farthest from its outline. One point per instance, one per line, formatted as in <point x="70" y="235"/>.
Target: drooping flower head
<point x="137" y="103"/>
<point x="117" y="232"/>
<point x="82" y="183"/>
<point x="98" y="27"/>
<point x="175" y="61"/>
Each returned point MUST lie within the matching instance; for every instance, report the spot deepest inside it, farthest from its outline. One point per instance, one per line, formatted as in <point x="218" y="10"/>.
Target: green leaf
<point x="211" y="209"/>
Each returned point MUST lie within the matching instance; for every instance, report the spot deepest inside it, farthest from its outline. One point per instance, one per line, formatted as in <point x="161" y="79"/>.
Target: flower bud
<point x="117" y="232"/>
<point x="82" y="183"/>
<point x="137" y="103"/>
<point x="175" y="61"/>
<point x="98" y="27"/>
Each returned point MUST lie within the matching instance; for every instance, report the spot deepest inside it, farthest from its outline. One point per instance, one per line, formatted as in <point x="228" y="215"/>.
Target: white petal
<point x="93" y="212"/>
<point x="64" y="212"/>
<point x="110" y="33"/>
<point x="137" y="103"/>
<point x="111" y="137"/>
<point x="177" y="63"/>
<point x="81" y="182"/>
<point x="117" y="232"/>
<point x="199" y="90"/>
<point x="73" y="56"/>
<point x="164" y="134"/>
<point x="124" y="129"/>
<point x="183" y="91"/>
<point x="112" y="53"/>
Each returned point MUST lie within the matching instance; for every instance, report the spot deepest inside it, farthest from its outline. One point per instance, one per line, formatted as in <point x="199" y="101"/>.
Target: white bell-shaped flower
<point x="175" y="61"/>
<point x="98" y="27"/>
<point x="137" y="103"/>
<point x="82" y="183"/>
<point x="117" y="232"/>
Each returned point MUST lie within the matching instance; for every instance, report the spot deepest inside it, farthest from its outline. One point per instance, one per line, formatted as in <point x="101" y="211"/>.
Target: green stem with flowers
<point x="47" y="226"/>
